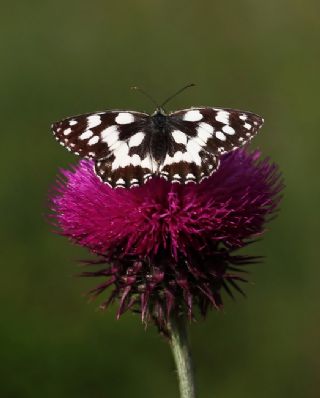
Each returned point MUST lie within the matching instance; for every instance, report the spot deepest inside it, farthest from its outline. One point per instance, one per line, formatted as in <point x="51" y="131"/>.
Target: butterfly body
<point x="158" y="134"/>
<point x="130" y="147"/>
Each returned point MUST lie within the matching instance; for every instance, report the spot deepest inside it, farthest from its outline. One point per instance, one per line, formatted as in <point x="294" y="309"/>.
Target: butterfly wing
<point x="115" y="139"/>
<point x="120" y="142"/>
<point x="199" y="136"/>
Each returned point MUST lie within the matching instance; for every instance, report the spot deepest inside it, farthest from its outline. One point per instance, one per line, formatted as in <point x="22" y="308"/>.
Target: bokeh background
<point x="61" y="58"/>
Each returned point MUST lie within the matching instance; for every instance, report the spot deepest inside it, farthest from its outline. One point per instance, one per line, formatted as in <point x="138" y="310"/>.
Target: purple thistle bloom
<point x="166" y="246"/>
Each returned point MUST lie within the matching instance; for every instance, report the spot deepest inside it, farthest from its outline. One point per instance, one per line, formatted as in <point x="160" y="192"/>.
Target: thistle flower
<point x="167" y="247"/>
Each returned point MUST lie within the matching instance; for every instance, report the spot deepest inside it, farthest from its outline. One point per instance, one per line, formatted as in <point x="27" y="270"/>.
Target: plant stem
<point x="181" y="353"/>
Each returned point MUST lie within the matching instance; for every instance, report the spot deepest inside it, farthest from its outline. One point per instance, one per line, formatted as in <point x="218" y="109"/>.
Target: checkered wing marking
<point x="200" y="136"/>
<point x="114" y="139"/>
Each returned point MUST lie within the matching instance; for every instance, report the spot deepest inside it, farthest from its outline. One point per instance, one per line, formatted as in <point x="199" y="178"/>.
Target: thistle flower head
<point x="165" y="247"/>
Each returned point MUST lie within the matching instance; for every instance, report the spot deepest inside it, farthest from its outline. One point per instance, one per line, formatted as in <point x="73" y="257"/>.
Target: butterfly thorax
<point x="158" y="135"/>
<point x="159" y="118"/>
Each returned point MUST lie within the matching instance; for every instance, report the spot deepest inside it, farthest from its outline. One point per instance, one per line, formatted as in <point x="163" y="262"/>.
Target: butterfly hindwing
<point x="129" y="176"/>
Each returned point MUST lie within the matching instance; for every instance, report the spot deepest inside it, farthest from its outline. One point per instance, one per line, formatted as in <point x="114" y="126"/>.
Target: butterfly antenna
<point x="146" y="95"/>
<point x="177" y="93"/>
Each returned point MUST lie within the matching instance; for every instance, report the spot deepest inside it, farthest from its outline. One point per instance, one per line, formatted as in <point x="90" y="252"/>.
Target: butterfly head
<point x="159" y="108"/>
<point x="159" y="112"/>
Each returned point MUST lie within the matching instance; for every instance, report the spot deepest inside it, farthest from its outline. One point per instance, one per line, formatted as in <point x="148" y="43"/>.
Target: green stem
<point x="181" y="353"/>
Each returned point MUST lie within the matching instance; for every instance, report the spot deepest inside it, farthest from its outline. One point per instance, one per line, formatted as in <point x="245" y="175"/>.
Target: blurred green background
<point x="61" y="58"/>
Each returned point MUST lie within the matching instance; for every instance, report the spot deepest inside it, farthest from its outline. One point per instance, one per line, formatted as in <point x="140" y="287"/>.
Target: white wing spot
<point x="67" y="131"/>
<point x="136" y="139"/>
<point x="190" y="176"/>
<point x="243" y="117"/>
<point x="110" y="135"/>
<point x="223" y="117"/>
<point x="193" y="150"/>
<point x="120" y="182"/>
<point x="134" y="183"/>
<point x="192" y="116"/>
<point x="87" y="134"/>
<point x="220" y="136"/>
<point x="187" y="157"/>
<point x="149" y="163"/>
<point x="176" y="158"/>
<point x="177" y="176"/>
<point x="93" y="140"/>
<point x="179" y="137"/>
<point x="93" y="121"/>
<point x="247" y="126"/>
<point x="72" y="122"/>
<point x="205" y="132"/>
<point x="122" y="159"/>
<point x="124" y="118"/>
<point x="135" y="160"/>
<point x="228" y="130"/>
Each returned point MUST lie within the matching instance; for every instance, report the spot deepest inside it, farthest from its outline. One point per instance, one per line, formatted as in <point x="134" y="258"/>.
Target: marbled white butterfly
<point x="130" y="147"/>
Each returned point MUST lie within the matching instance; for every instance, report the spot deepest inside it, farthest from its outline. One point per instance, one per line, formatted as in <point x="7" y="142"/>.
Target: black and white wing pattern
<point x="115" y="139"/>
<point x="199" y="136"/>
<point x="130" y="147"/>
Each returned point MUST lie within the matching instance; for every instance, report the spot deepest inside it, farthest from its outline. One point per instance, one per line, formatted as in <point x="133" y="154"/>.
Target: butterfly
<point x="129" y="147"/>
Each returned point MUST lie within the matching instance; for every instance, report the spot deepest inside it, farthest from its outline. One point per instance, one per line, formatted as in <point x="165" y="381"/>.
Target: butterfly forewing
<point x="220" y="129"/>
<point x="93" y="135"/>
